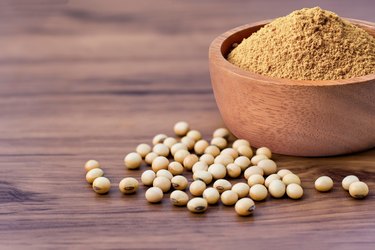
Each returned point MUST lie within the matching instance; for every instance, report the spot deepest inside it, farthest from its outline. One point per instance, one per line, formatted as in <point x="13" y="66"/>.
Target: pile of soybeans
<point x="215" y="165"/>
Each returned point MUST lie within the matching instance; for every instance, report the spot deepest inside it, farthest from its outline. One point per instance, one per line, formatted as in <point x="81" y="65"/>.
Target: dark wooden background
<point x="92" y="79"/>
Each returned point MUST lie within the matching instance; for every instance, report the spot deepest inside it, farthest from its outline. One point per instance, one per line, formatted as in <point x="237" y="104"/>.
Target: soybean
<point x="211" y="195"/>
<point x="277" y="188"/>
<point x="229" y="197"/>
<point x="163" y="183"/>
<point x="258" y="192"/>
<point x="94" y="173"/>
<point x="222" y="185"/>
<point x="148" y="177"/>
<point x="91" y="164"/>
<point x="179" y="182"/>
<point x="349" y="180"/>
<point x="101" y="185"/>
<point x="154" y="195"/>
<point x="133" y="160"/>
<point x="128" y="185"/>
<point x="242" y="189"/>
<point x="294" y="191"/>
<point x="179" y="198"/>
<point x="358" y="190"/>
<point x="197" y="187"/>
<point x="197" y="205"/>
<point x="244" y="207"/>
<point x="323" y="184"/>
<point x="143" y="149"/>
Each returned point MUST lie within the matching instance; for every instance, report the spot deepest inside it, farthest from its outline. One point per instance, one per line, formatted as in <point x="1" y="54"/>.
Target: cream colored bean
<point x="229" y="198"/>
<point x="240" y="142"/>
<point x="207" y="158"/>
<point x="253" y="170"/>
<point x="159" y="139"/>
<point x="143" y="149"/>
<point x="200" y="165"/>
<point x="195" y="134"/>
<point x="358" y="190"/>
<point x="270" y="178"/>
<point x="257" y="158"/>
<point x="294" y="191"/>
<point x="242" y="189"/>
<point x="188" y="141"/>
<point x="159" y="162"/>
<point x="244" y="207"/>
<point x="349" y="180"/>
<point x="230" y="151"/>
<point x="91" y="164"/>
<point x="222" y="185"/>
<point x="219" y="142"/>
<point x="258" y="192"/>
<point x="245" y="151"/>
<point x="264" y="151"/>
<point x="243" y="162"/>
<point x="128" y="185"/>
<point x="202" y="175"/>
<point x="181" y="128"/>
<point x="197" y="187"/>
<point x="180" y="155"/>
<point x="221" y="132"/>
<point x="150" y="157"/>
<point x="218" y="171"/>
<point x="175" y="168"/>
<point x="94" y="173"/>
<point x="179" y="198"/>
<point x="197" y="205"/>
<point x="200" y="146"/>
<point x="283" y="172"/>
<point x="190" y="160"/>
<point x="323" y="184"/>
<point x="165" y="173"/>
<point x="161" y="150"/>
<point x="178" y="146"/>
<point x="277" y="188"/>
<point x="268" y="166"/>
<point x="163" y="183"/>
<point x="212" y="150"/>
<point x="169" y="142"/>
<point x="255" y="179"/>
<point x="154" y="195"/>
<point x="133" y="160"/>
<point x="233" y="170"/>
<point x="211" y="195"/>
<point x="179" y="182"/>
<point x="148" y="177"/>
<point x="291" y="178"/>
<point x="101" y="185"/>
<point x="223" y="159"/>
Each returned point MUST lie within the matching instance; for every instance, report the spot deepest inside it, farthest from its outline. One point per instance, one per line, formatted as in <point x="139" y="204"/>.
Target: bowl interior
<point x="236" y="35"/>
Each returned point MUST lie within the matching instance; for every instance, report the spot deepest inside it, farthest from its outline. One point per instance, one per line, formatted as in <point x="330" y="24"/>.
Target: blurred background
<point x="59" y="57"/>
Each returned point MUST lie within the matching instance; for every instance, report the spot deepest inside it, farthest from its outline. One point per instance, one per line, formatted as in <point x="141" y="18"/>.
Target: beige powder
<point x="308" y="44"/>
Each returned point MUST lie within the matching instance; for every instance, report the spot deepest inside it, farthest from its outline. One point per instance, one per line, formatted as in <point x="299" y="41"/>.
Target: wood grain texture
<point x="293" y="117"/>
<point x="92" y="79"/>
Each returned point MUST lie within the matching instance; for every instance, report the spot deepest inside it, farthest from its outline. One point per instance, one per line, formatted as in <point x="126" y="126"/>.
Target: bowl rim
<point x="217" y="43"/>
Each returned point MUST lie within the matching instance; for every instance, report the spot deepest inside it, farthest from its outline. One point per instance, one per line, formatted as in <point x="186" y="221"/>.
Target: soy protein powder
<point x="308" y="44"/>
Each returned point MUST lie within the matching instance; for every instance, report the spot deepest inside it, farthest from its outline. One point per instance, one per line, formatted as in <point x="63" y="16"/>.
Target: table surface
<point x="92" y="79"/>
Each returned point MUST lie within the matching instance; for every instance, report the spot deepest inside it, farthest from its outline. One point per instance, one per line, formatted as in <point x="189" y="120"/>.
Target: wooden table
<point x="92" y="79"/>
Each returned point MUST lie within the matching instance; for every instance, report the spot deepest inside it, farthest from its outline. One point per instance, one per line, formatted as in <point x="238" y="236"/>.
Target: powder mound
<point x="308" y="44"/>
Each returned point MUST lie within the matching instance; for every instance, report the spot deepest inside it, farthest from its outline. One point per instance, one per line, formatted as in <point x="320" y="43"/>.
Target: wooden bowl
<point x="293" y="117"/>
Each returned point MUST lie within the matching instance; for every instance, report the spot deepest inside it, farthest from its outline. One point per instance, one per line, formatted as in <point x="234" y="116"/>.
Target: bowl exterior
<point x="292" y="119"/>
<point x="296" y="120"/>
